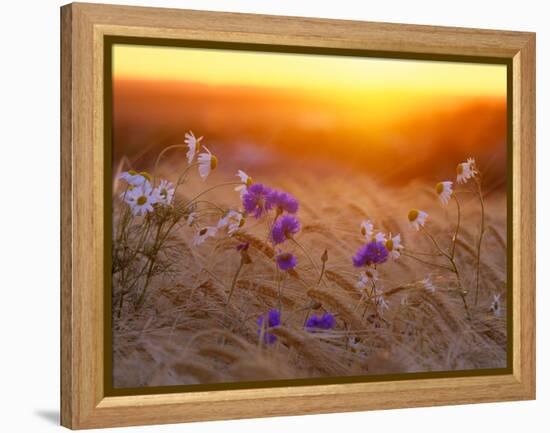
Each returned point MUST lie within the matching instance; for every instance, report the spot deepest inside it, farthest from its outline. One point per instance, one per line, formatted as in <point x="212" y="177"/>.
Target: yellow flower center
<point x="439" y="188"/>
<point x="146" y="176"/>
<point x="249" y="181"/>
<point x="213" y="162"/>
<point x="132" y="172"/>
<point x="241" y="222"/>
<point x="413" y="215"/>
<point x="141" y="200"/>
<point x="369" y="274"/>
<point x="363" y="231"/>
<point x="389" y="245"/>
<point x="459" y="169"/>
<point x="164" y="192"/>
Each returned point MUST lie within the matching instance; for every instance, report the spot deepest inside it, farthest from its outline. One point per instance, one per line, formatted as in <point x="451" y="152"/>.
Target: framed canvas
<point x="266" y="215"/>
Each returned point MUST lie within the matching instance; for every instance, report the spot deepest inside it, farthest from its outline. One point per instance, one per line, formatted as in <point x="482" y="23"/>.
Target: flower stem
<point x="205" y="191"/>
<point x="306" y="253"/>
<point x="427" y="233"/>
<point x="270" y="227"/>
<point x="234" y="282"/>
<point x="427" y="263"/>
<point x="214" y="205"/>
<point x="481" y="232"/>
<point x="420" y="253"/>
<point x="455" y="237"/>
<point x="454" y="269"/>
<point x="166" y="149"/>
<point x="461" y="291"/>
<point x="279" y="287"/>
<point x="181" y="177"/>
<point x="157" y="243"/>
<point x="121" y="303"/>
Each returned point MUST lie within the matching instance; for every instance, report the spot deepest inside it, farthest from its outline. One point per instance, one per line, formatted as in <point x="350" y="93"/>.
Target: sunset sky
<point x="253" y="105"/>
<point x="311" y="72"/>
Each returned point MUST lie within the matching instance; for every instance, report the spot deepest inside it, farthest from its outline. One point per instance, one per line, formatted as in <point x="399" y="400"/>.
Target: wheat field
<point x="187" y="332"/>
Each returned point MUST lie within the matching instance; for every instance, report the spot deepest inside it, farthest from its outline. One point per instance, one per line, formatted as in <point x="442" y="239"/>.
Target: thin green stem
<point x="152" y="260"/>
<point x="427" y="233"/>
<point x="292" y="314"/>
<point x="270" y="227"/>
<point x="455" y="237"/>
<point x="279" y="287"/>
<point x="161" y="154"/>
<point x="120" y="303"/>
<point x="454" y="269"/>
<point x="419" y="253"/>
<point x="306" y="253"/>
<point x="461" y="291"/>
<point x="481" y="233"/>
<point x="234" y="282"/>
<point x="181" y="177"/>
<point x="214" y="205"/>
<point x="426" y="262"/>
<point x="180" y="207"/>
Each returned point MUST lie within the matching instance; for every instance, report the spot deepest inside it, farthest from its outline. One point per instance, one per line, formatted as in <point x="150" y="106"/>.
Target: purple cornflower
<point x="283" y="201"/>
<point x="273" y="319"/>
<point x="373" y="253"/>
<point x="326" y="321"/>
<point x="284" y="228"/>
<point x="286" y="261"/>
<point x="255" y="200"/>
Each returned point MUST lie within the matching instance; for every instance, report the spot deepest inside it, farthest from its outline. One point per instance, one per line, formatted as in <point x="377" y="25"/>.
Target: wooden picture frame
<point x="83" y="31"/>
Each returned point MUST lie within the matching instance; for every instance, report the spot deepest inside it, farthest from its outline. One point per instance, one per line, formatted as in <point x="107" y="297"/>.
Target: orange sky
<point x="309" y="105"/>
<point x="312" y="72"/>
<point x="350" y="79"/>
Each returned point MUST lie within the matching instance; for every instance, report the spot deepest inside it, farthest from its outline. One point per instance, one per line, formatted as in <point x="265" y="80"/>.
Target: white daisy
<point x="428" y="285"/>
<point x="417" y="218"/>
<point x="245" y="179"/>
<point x="393" y="245"/>
<point x="367" y="230"/>
<point x="203" y="234"/>
<point x="133" y="178"/>
<point x="380" y="237"/>
<point x="126" y="196"/>
<point x="165" y="191"/>
<point x="380" y="301"/>
<point x="142" y="198"/>
<point x="444" y="190"/>
<point x="367" y="276"/>
<point x="232" y="220"/>
<point x="496" y="305"/>
<point x="465" y="170"/>
<point x="191" y="218"/>
<point x="193" y="145"/>
<point x="207" y="162"/>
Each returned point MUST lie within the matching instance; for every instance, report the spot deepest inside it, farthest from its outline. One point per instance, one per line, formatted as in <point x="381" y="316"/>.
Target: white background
<point x="29" y="217"/>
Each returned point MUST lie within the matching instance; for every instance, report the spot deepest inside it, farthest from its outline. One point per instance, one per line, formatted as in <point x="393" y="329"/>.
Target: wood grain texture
<point x="67" y="389"/>
<point x="83" y="403"/>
